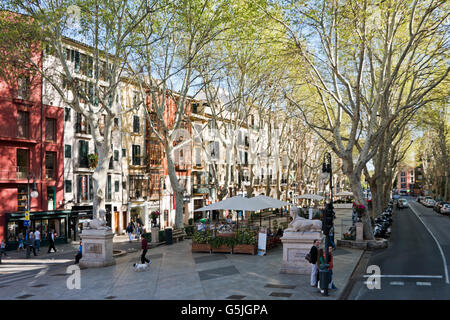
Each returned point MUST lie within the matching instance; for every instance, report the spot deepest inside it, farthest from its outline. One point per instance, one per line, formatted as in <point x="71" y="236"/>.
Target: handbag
<point x="308" y="257"/>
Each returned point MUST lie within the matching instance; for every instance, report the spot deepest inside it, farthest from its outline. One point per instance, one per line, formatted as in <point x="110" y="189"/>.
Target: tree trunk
<point x="99" y="179"/>
<point x="177" y="189"/>
<point x="355" y="183"/>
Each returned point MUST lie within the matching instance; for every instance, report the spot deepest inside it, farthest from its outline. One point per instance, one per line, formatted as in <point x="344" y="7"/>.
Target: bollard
<point x="324" y="278"/>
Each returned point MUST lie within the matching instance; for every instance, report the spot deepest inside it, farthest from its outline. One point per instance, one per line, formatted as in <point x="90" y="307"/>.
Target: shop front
<point x="77" y="217"/>
<point x="44" y="221"/>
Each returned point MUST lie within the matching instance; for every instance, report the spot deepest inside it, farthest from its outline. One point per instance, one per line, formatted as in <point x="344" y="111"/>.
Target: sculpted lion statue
<point x="99" y="224"/>
<point x="300" y="224"/>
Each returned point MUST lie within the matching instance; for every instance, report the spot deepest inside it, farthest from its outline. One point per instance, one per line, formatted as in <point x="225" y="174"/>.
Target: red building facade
<point x="31" y="146"/>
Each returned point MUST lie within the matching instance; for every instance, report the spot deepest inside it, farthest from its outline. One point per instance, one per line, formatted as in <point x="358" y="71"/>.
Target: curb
<point x="351" y="280"/>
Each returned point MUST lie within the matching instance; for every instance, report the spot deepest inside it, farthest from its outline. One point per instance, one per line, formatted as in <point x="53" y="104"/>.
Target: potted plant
<point x="155" y="214"/>
<point x="201" y="241"/>
<point x="222" y="244"/>
<point x="93" y="160"/>
<point x="245" y="242"/>
<point x="359" y="209"/>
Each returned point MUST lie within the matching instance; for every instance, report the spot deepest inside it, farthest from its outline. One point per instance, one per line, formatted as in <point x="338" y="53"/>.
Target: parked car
<point x="424" y="199"/>
<point x="446" y="209"/>
<point x="429" y="203"/>
<point x="438" y="205"/>
<point x="419" y="199"/>
<point x="402" y="203"/>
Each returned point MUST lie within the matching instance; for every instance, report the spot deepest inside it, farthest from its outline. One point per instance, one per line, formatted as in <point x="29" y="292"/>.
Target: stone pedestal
<point x="295" y="247"/>
<point x="97" y="248"/>
<point x="359" y="231"/>
<point x="155" y="235"/>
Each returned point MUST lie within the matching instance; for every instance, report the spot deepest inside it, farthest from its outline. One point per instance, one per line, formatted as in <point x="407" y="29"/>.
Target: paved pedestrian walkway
<point x="175" y="273"/>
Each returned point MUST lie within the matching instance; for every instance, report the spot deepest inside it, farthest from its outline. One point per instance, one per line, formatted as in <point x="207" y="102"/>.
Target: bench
<point x="178" y="235"/>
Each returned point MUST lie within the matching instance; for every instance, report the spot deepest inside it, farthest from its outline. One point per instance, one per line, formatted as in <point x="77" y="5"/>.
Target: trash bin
<point x="168" y="235"/>
<point x="324" y="276"/>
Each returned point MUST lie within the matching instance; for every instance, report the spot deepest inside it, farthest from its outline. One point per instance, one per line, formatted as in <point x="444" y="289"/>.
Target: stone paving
<point x="175" y="274"/>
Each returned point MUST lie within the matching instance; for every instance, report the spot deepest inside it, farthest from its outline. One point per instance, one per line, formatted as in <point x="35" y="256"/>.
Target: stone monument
<point x="97" y="240"/>
<point x="155" y="235"/>
<point x="297" y="241"/>
<point x="359" y="231"/>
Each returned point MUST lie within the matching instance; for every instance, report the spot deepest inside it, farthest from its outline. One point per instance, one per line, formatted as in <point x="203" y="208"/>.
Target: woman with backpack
<point x="323" y="259"/>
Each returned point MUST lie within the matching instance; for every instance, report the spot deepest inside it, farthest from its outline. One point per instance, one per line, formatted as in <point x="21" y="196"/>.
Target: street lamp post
<point x="328" y="214"/>
<point x="33" y="194"/>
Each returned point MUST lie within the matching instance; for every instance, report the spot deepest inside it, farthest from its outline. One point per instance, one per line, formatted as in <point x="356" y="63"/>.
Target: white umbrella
<point x="344" y="194"/>
<point x="265" y="202"/>
<point x="310" y="196"/>
<point x="234" y="203"/>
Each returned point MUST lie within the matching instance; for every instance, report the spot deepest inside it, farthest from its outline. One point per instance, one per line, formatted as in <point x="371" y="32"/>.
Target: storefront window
<point x="13" y="230"/>
<point x="44" y="229"/>
<point x="62" y="232"/>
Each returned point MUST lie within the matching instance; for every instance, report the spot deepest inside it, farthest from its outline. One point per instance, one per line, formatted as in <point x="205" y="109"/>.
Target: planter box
<point x="223" y="248"/>
<point x="244" y="248"/>
<point x="225" y="234"/>
<point x="201" y="247"/>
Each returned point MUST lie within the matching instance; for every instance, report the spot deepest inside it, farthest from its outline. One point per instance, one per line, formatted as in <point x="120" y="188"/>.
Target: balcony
<point x="200" y="189"/>
<point x="181" y="167"/>
<point x="20" y="173"/>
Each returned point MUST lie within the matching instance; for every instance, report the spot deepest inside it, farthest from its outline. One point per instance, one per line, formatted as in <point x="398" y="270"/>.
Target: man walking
<point x="51" y="239"/>
<point x="314" y="257"/>
<point x="144" y="251"/>
<point x="31" y="244"/>
<point x="37" y="240"/>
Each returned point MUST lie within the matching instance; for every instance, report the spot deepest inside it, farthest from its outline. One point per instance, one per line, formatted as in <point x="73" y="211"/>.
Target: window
<point x="22" y="124"/>
<point x="67" y="151"/>
<point x="116" y="186"/>
<point x="116" y="155"/>
<point x="81" y="125"/>
<point x="108" y="188"/>
<point x="214" y="149"/>
<point x="83" y="153"/>
<point x="22" y="196"/>
<point x="136" y="124"/>
<point x="68" y="185"/>
<point x="124" y="153"/>
<point x="50" y="129"/>
<point x="67" y="114"/>
<point x="138" y="187"/>
<point x="136" y="161"/>
<point x="85" y="188"/>
<point x="155" y="153"/>
<point x="403" y="173"/>
<point x="116" y="122"/>
<point x="50" y="165"/>
<point x="22" y="162"/>
<point x="198" y="157"/>
<point x="23" y="88"/>
<point x="402" y="179"/>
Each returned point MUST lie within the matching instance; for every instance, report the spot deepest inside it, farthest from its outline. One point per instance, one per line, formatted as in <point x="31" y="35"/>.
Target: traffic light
<point x="327" y="220"/>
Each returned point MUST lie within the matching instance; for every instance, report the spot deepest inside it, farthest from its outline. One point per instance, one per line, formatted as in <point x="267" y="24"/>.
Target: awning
<point x="265" y="202"/>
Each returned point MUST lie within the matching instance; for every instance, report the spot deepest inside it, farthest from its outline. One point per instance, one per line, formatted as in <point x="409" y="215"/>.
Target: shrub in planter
<point x="189" y="230"/>
<point x="147" y="236"/>
<point x="202" y="237"/>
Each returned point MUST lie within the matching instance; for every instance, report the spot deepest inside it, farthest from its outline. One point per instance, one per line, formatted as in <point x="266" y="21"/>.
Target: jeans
<point x="37" y="243"/>
<point x="314" y="271"/>
<point x="143" y="258"/>
<point x="130" y="236"/>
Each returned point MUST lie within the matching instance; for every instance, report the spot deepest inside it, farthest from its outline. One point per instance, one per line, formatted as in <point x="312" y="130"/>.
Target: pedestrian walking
<point x="130" y="231"/>
<point x="79" y="255"/>
<point x="37" y="240"/>
<point x="20" y="241"/>
<point x="144" y="245"/>
<point x="330" y="268"/>
<point x="314" y="258"/>
<point x="2" y="249"/>
<point x="51" y="240"/>
<point x="31" y="243"/>
<point x="138" y="232"/>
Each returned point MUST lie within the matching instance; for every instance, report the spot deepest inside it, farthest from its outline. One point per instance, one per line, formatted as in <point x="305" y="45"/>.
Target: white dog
<point x="141" y="267"/>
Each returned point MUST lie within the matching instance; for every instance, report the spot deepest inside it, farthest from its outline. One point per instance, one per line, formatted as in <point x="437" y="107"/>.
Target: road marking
<point x="397" y="283"/>
<point x="16" y="278"/>
<point x="400" y="276"/>
<point x="439" y="246"/>
<point x="424" y="284"/>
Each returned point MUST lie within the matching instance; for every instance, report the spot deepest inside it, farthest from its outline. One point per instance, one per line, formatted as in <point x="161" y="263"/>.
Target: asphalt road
<point x="414" y="266"/>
